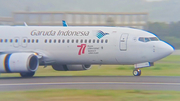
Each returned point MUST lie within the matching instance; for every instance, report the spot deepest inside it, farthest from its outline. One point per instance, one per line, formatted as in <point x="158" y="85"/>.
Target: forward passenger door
<point x="123" y="41"/>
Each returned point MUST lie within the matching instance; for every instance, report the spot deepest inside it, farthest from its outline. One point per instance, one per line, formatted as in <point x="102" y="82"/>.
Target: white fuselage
<point x="76" y="45"/>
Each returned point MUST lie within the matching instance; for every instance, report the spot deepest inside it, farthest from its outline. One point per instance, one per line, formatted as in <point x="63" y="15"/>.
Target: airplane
<point x="25" y="48"/>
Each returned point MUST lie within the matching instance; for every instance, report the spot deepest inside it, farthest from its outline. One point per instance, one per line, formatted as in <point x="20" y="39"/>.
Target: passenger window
<point x="81" y="41"/>
<point x="89" y="40"/>
<point x="45" y="40"/>
<point x="102" y="41"/>
<point x="97" y="41"/>
<point x="5" y="40"/>
<point x="147" y="39"/>
<point x="11" y="40"/>
<point x="85" y="41"/>
<point x="63" y="41"/>
<point x="72" y="40"/>
<point x="37" y="40"/>
<point x="77" y="41"/>
<point x="16" y="40"/>
<point x="32" y="40"/>
<point x="94" y="41"/>
<point x="68" y="41"/>
<point x="1" y="40"/>
<point x="106" y="41"/>
<point x="49" y="40"/>
<point x="24" y="40"/>
<point x="54" y="40"/>
<point x="141" y="39"/>
<point x="29" y="40"/>
<point x="59" y="41"/>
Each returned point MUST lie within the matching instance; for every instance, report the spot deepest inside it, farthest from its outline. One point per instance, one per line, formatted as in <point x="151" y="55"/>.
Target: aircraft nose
<point x="167" y="49"/>
<point x="162" y="50"/>
<point x="170" y="49"/>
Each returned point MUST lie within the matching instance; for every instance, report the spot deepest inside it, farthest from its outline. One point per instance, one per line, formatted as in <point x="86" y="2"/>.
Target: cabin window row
<point x="17" y="40"/>
<point x="75" y="41"/>
<point x="30" y="40"/>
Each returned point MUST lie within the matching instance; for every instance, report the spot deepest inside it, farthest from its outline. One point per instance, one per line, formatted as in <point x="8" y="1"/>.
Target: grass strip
<point x="89" y="95"/>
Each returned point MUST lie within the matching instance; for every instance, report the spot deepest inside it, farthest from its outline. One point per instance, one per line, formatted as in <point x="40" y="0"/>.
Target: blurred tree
<point x="161" y="29"/>
<point x="174" y="29"/>
<point x="167" y="32"/>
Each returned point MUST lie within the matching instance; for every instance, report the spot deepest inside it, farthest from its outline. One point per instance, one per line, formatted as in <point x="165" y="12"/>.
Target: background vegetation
<point x="169" y="32"/>
<point x="90" y="95"/>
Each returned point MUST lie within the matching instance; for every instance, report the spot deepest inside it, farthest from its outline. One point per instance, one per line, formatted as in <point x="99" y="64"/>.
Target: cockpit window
<point x="141" y="39"/>
<point x="147" y="39"/>
<point x="154" y="39"/>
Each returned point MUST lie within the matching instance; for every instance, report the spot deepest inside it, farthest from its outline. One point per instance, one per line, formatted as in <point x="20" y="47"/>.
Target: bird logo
<point x="101" y="34"/>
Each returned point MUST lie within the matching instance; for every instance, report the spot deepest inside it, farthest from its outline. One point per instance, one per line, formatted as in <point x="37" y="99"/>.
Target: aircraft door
<point x="16" y="42"/>
<point x="24" y="42"/>
<point x="123" y="42"/>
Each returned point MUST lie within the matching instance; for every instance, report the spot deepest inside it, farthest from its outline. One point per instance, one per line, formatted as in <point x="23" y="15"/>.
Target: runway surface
<point x="90" y="82"/>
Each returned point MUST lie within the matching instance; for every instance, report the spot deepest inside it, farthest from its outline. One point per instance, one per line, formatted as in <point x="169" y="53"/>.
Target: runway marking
<point x="93" y="83"/>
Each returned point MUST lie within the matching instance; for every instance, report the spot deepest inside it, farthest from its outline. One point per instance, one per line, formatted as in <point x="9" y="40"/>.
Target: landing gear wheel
<point x="27" y="75"/>
<point x="136" y="72"/>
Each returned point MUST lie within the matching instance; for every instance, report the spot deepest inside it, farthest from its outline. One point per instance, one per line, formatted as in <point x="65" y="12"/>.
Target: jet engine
<point x="18" y="63"/>
<point x="59" y="67"/>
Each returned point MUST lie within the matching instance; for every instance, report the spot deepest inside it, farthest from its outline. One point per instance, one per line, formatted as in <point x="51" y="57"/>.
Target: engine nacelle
<point x="70" y="67"/>
<point x="18" y="63"/>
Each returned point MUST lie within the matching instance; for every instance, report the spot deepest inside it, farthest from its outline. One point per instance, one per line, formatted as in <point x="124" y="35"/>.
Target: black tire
<point x="27" y="75"/>
<point x="139" y="72"/>
<point x="136" y="72"/>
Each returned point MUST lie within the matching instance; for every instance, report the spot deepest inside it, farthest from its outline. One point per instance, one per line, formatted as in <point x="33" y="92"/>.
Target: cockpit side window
<point x="147" y="39"/>
<point x="154" y="39"/>
<point x="141" y="39"/>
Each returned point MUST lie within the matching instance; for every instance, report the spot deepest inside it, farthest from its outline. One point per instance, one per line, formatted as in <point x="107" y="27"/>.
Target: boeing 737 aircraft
<point x="24" y="48"/>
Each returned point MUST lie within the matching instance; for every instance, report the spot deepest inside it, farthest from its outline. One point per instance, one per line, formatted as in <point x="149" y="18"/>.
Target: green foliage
<point x="89" y="95"/>
<point x="156" y="68"/>
<point x="125" y="67"/>
<point x="167" y="32"/>
<point x="159" y="28"/>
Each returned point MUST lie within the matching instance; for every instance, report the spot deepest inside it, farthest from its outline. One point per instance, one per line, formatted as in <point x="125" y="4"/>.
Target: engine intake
<point x="18" y="63"/>
<point x="70" y="67"/>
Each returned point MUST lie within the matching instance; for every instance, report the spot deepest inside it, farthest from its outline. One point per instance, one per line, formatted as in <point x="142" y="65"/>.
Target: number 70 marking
<point x="82" y="49"/>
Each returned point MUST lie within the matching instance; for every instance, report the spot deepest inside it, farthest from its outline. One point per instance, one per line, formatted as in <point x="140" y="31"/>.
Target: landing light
<point x="35" y="53"/>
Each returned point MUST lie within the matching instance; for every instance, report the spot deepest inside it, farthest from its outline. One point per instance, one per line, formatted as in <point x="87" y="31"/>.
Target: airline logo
<point x="90" y="49"/>
<point x="101" y="34"/>
<point x="58" y="33"/>
<point x="82" y="49"/>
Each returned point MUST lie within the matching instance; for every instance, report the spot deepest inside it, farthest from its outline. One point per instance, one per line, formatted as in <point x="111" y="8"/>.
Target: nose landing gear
<point x="136" y="72"/>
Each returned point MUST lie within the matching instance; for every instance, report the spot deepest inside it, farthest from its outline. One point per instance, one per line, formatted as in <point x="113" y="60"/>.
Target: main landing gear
<point x="136" y="72"/>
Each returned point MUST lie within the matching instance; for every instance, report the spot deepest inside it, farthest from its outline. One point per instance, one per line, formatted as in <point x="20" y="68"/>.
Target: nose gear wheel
<point x="136" y="72"/>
